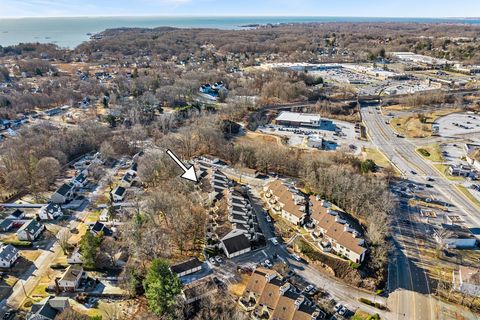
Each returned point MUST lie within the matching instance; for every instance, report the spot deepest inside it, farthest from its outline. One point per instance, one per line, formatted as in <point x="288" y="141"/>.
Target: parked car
<point x="274" y="241"/>
<point x="296" y="257"/>
<point x="343" y="311"/>
<point x="338" y="307"/>
<point x="310" y="289"/>
<point x="219" y="259"/>
<point x="269" y="219"/>
<point x="212" y="260"/>
<point x="268" y="263"/>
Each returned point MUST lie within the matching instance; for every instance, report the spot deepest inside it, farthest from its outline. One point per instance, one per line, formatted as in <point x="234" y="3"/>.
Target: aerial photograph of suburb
<point x="239" y="160"/>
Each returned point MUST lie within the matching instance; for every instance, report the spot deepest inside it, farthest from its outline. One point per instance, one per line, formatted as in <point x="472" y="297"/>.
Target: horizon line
<point x="241" y="16"/>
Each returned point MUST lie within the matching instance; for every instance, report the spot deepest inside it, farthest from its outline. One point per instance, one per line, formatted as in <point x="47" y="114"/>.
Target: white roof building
<point x="301" y="119"/>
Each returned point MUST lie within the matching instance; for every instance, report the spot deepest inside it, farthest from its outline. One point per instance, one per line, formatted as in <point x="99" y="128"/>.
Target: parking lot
<point x="341" y="135"/>
<point x="459" y="124"/>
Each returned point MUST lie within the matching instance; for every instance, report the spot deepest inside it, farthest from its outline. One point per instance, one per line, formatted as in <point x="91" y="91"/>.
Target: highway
<point x="408" y="283"/>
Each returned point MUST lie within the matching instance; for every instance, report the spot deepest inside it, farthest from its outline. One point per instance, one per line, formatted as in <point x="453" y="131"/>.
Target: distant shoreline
<point x="69" y="32"/>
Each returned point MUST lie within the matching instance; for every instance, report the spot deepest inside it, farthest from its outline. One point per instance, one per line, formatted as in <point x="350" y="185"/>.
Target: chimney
<point x="284" y="288"/>
<point x="299" y="301"/>
<point x="57" y="286"/>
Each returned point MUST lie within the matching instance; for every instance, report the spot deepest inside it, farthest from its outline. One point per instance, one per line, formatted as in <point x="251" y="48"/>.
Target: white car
<point x="268" y="263"/>
<point x="296" y="257"/>
<point x="343" y="311"/>
<point x="212" y="260"/>
<point x="219" y="259"/>
<point x="269" y="219"/>
<point x="338" y="307"/>
<point x="274" y="241"/>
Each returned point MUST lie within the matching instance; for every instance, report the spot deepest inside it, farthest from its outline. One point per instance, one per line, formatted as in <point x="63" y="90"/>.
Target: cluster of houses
<point x="213" y="90"/>
<point x="269" y="296"/>
<point x="28" y="229"/>
<point x="119" y="193"/>
<point x="329" y="227"/>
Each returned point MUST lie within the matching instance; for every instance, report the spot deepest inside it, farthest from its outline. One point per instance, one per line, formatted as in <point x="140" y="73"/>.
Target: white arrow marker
<point x="189" y="173"/>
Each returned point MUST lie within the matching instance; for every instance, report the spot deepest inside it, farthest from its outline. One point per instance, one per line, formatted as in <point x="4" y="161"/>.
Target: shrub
<point x="18" y="243"/>
<point x="354" y="265"/>
<point x="58" y="266"/>
<point x="424" y="152"/>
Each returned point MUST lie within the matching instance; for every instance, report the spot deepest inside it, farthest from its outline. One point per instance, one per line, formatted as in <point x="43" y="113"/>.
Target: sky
<point x="339" y="8"/>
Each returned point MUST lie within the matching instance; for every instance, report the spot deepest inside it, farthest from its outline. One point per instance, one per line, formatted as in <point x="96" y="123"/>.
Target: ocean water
<point x="70" y="32"/>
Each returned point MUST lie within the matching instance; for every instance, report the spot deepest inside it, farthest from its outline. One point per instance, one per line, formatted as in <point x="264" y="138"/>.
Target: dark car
<point x="428" y="185"/>
<point x="413" y="172"/>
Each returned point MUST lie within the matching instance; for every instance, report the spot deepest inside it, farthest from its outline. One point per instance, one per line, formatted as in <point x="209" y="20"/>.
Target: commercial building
<point x="293" y="119"/>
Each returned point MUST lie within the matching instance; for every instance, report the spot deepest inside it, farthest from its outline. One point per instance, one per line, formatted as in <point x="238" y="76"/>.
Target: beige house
<point x="71" y="279"/>
<point x="286" y="201"/>
<point x="336" y="233"/>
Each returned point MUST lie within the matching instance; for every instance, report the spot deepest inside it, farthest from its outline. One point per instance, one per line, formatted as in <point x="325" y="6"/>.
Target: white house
<point x="8" y="255"/>
<point x="50" y="211"/>
<point x="75" y="257"/>
<point x="119" y="193"/>
<point x="187" y="267"/>
<point x="71" y="279"/>
<point x="235" y="244"/>
<point x="30" y="231"/>
<point x="63" y="194"/>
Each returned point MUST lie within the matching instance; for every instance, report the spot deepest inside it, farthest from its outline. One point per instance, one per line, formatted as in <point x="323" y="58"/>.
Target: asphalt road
<point x="408" y="283"/>
<point x="344" y="293"/>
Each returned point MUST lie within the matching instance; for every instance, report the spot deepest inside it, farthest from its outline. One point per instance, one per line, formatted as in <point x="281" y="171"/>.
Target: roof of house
<point x="454" y="231"/>
<point x="52" y="207"/>
<point x="257" y="281"/>
<point x="31" y="227"/>
<point x="470" y="275"/>
<point x="235" y="242"/>
<point x="285" y="196"/>
<point x="271" y="293"/>
<point x="81" y="178"/>
<point x="186" y="265"/>
<point x="100" y="227"/>
<point x="8" y="252"/>
<point x="120" y="191"/>
<point x="42" y="311"/>
<point x="17" y="213"/>
<point x="6" y="224"/>
<point x="134" y="167"/>
<point x="64" y="189"/>
<point x="72" y="273"/>
<point x="333" y="229"/>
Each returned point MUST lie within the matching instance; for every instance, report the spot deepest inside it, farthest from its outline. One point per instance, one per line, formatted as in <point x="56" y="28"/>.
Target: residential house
<point x="30" y="231"/>
<point x="75" y="257"/>
<point x="467" y="280"/>
<point x="100" y="227"/>
<point x="50" y="212"/>
<point x="127" y="180"/>
<point x="198" y="290"/>
<point x="48" y="308"/>
<point x="286" y="201"/>
<point x="336" y="234"/>
<point x="16" y="215"/>
<point x="235" y="243"/>
<point x="71" y="279"/>
<point x="240" y="213"/>
<point x="119" y="193"/>
<point x="187" y="267"/>
<point x="63" y="194"/>
<point x="133" y="169"/>
<point x="454" y="236"/>
<point x="8" y="255"/>
<point x="251" y="173"/>
<point x="6" y="225"/>
<point x="271" y="297"/>
<point x="220" y="182"/>
<point x="80" y="180"/>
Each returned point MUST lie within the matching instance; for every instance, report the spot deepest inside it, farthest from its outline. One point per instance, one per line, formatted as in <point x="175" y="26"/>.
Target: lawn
<point x="431" y="152"/>
<point x="378" y="157"/>
<point x="237" y="288"/>
<point x="443" y="170"/>
<point x="30" y="255"/>
<point x="469" y="195"/>
<point x="93" y="217"/>
<point x="412" y="127"/>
